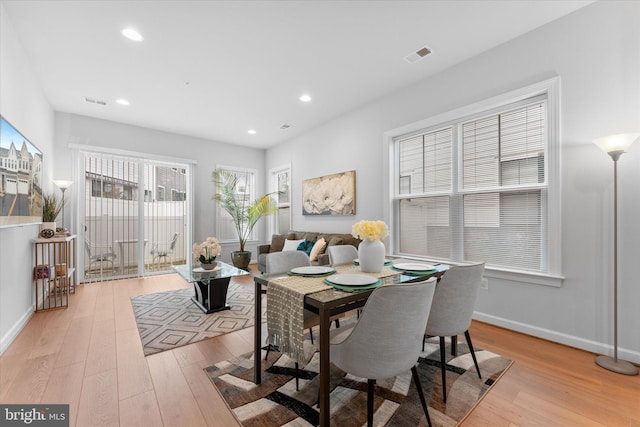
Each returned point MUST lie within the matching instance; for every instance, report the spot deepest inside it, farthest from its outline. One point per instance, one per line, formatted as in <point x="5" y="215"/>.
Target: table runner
<point x="285" y="308"/>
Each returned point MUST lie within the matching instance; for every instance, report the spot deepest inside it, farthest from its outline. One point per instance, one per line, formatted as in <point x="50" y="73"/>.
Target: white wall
<point x="596" y="53"/>
<point x="22" y="103"/>
<point x="87" y="131"/>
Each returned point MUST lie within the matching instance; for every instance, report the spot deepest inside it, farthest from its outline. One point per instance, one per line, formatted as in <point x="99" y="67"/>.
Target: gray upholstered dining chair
<point x="282" y="262"/>
<point x="341" y="254"/>
<point x="452" y="310"/>
<point x="385" y="342"/>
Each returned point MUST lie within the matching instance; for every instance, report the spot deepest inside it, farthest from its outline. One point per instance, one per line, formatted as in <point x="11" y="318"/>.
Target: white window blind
<point x="487" y="203"/>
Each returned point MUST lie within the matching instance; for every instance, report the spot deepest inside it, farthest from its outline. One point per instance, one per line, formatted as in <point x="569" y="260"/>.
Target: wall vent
<point x="95" y="101"/>
<point x="416" y="56"/>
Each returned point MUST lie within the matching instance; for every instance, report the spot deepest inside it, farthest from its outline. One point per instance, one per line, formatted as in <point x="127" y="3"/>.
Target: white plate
<point x="414" y="266"/>
<point x="352" y="279"/>
<point x="312" y="270"/>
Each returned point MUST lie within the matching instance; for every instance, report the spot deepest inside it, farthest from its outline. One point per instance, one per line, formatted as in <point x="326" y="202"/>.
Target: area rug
<point x="170" y="319"/>
<point x="276" y="402"/>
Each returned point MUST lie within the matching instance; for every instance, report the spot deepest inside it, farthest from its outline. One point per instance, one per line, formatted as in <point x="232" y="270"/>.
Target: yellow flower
<point x="372" y="230"/>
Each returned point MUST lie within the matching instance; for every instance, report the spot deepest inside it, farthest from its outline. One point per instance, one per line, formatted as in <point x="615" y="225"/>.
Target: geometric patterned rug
<point x="170" y="319"/>
<point x="275" y="402"/>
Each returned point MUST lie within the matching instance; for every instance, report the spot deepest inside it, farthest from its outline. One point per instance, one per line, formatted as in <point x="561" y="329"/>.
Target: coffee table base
<point x="211" y="310"/>
<point x="211" y="295"/>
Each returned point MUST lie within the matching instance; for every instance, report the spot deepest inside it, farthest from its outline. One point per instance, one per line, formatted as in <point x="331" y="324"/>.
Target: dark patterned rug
<point x="170" y="319"/>
<point x="276" y="402"/>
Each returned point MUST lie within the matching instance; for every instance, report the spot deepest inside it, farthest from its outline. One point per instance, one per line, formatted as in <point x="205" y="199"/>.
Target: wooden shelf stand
<point x="54" y="273"/>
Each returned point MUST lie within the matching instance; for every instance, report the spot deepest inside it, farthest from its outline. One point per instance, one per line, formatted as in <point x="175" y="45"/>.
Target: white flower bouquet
<point x="207" y="251"/>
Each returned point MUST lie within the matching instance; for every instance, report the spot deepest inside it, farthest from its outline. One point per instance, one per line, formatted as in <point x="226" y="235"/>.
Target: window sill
<point x="527" y="277"/>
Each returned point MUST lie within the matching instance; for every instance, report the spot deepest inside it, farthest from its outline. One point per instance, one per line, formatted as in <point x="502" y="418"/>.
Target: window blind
<point x="489" y="202"/>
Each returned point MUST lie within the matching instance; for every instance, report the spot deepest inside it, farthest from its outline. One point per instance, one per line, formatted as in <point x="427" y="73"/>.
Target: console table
<point x="210" y="286"/>
<point x="54" y="273"/>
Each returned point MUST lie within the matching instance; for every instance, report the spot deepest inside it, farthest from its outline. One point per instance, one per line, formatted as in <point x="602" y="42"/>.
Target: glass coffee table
<point x="210" y="285"/>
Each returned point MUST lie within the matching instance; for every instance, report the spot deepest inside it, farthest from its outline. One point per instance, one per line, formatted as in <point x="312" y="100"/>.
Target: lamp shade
<point x="619" y="142"/>
<point x="61" y="183"/>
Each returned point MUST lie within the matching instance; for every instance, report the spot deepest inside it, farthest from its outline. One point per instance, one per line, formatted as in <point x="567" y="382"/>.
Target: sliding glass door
<point x="135" y="216"/>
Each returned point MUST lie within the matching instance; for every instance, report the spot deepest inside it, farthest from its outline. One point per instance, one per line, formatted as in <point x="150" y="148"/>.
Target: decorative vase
<point x="47" y="229"/>
<point x="371" y="256"/>
<point x="209" y="265"/>
<point x="241" y="259"/>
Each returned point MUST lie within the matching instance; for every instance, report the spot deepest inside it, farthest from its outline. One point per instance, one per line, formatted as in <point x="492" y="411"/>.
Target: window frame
<point x="550" y="88"/>
<point x="219" y="212"/>
<point x="273" y="187"/>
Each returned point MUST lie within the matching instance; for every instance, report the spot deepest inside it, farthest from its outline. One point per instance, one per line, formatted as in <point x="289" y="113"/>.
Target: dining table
<point x="329" y="302"/>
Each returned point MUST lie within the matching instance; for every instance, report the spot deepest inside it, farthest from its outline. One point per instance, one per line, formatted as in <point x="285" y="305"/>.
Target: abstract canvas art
<point x="330" y="194"/>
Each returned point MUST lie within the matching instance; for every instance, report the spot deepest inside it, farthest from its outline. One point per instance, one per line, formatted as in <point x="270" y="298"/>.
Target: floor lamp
<point x="615" y="146"/>
<point x="63" y="185"/>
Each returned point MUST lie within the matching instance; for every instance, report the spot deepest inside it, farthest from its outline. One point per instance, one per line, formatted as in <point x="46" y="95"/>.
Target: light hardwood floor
<point x="90" y="357"/>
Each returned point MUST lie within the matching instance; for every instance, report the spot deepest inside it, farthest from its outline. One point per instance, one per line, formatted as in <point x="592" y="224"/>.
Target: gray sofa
<point x="277" y="243"/>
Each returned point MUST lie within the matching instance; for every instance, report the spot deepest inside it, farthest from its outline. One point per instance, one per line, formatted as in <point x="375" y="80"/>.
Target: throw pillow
<point x="291" y="245"/>
<point x="277" y="243"/>
<point x="306" y="246"/>
<point x="317" y="249"/>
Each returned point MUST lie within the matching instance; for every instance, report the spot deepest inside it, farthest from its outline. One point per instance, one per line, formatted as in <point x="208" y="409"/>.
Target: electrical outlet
<point x="484" y="284"/>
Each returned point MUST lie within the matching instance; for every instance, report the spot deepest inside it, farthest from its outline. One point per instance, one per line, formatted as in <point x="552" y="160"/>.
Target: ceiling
<point x="215" y="69"/>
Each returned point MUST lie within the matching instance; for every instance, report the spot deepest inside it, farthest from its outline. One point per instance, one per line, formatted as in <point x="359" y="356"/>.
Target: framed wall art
<point x="330" y="194"/>
<point x="20" y="178"/>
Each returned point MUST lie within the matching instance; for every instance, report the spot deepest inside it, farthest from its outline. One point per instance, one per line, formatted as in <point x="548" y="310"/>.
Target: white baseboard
<point x="559" y="337"/>
<point x="8" y="338"/>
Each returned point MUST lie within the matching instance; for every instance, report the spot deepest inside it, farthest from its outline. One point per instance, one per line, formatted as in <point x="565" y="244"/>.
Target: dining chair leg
<point x="416" y="379"/>
<point x="311" y="335"/>
<point x="443" y="368"/>
<point x="297" y="377"/>
<point x="454" y="345"/>
<point x="473" y="353"/>
<point x="370" y="384"/>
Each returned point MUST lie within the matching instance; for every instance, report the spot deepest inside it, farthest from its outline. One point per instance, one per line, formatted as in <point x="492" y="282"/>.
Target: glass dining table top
<point x="194" y="273"/>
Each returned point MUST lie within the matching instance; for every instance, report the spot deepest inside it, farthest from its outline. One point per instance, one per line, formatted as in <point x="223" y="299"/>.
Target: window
<point x="246" y="193"/>
<point x="281" y="186"/>
<point x="178" y="196"/>
<point x="475" y="187"/>
<point x="160" y="195"/>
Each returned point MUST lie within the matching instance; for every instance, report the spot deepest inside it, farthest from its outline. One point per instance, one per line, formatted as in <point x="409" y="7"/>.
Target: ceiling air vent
<point x="95" y="101"/>
<point x="416" y="56"/>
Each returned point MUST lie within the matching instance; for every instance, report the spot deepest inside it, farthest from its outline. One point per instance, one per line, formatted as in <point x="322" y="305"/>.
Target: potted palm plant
<point x="244" y="213"/>
<point x="50" y="210"/>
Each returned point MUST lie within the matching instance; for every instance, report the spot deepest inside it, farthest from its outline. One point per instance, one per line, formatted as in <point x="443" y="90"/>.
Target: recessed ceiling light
<point x="132" y="34"/>
<point x="251" y="132"/>
<point x="305" y="98"/>
<point x="122" y="101"/>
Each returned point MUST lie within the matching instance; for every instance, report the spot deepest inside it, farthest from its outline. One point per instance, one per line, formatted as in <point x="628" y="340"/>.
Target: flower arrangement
<point x="207" y="251"/>
<point x="372" y="230"/>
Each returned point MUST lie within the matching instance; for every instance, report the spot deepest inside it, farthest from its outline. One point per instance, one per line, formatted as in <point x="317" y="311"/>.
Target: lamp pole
<point x="63" y="185"/>
<point x="615" y="146"/>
